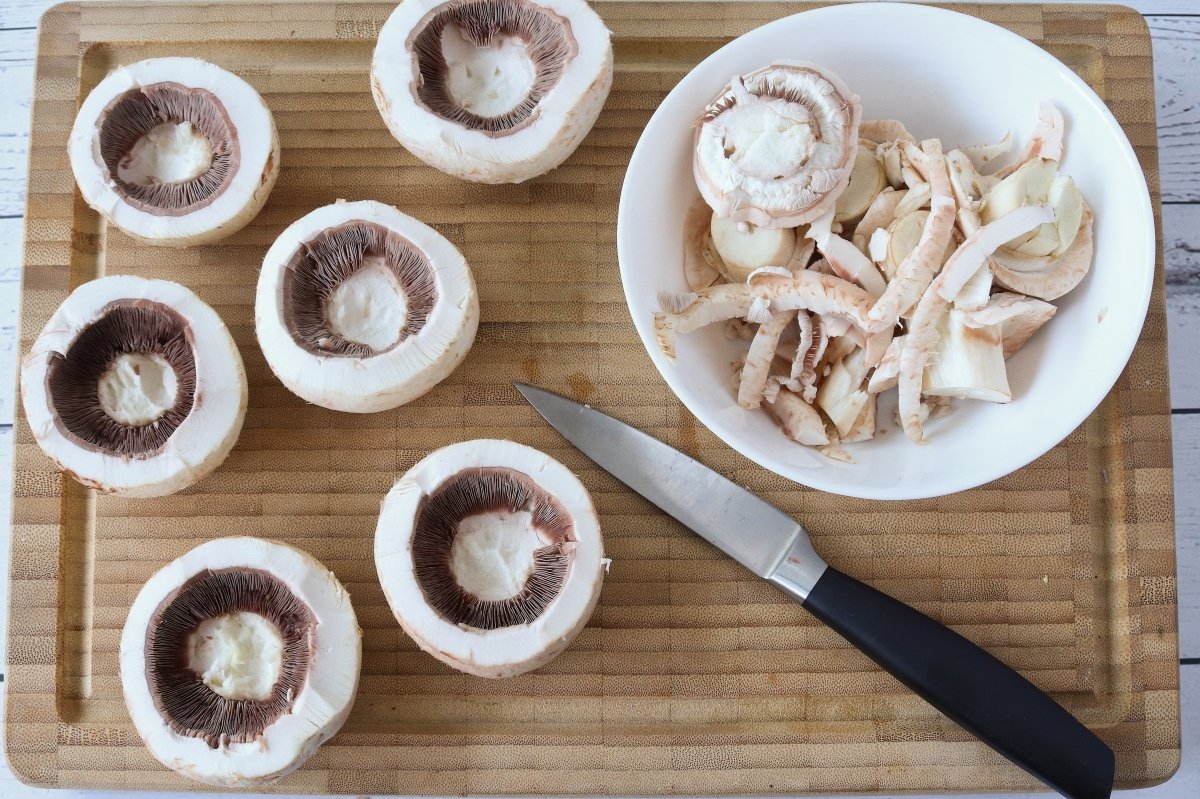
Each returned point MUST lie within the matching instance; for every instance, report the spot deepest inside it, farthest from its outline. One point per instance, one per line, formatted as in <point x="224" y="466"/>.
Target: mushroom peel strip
<point x="1047" y="277"/>
<point x="807" y="290"/>
<point x="983" y="154"/>
<point x="919" y="266"/>
<point x="1046" y="140"/>
<point x="974" y="251"/>
<point x="914" y="355"/>
<point x="776" y="147"/>
<point x="758" y="360"/>
<point x="847" y="261"/>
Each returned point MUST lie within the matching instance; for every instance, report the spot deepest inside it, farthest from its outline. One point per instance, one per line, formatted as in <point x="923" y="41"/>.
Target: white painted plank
<point x="16" y="75"/>
<point x="1176" y="65"/>
<point x="1183" y="335"/>
<point x="1181" y="240"/>
<point x="1186" y="434"/>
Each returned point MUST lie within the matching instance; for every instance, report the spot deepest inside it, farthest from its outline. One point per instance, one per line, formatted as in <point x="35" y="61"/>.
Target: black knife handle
<point x="989" y="699"/>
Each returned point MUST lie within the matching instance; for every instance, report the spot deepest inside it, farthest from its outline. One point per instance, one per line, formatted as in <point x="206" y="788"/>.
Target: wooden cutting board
<point x="693" y="677"/>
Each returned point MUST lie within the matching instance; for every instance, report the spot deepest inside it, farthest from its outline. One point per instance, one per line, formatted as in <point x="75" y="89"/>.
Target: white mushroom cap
<point x="317" y="712"/>
<point x="204" y="437"/>
<point x="560" y="121"/>
<point x="505" y="650"/>
<point x="257" y="164"/>
<point x="796" y="125"/>
<point x="394" y="376"/>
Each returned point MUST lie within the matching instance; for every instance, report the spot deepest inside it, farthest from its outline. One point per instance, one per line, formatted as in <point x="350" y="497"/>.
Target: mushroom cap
<point x="238" y="203"/>
<point x="561" y="120"/>
<point x="508" y="650"/>
<point x="392" y="377"/>
<point x="318" y="710"/>
<point x="201" y="441"/>
<point x="811" y="171"/>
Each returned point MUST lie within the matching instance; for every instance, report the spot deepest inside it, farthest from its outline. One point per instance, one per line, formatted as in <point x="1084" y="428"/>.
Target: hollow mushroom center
<point x="492" y="555"/>
<point x="137" y="388"/>
<point x="487" y="64"/>
<point x="488" y="80"/>
<point x="491" y="548"/>
<point x="167" y="153"/>
<point x="357" y="290"/>
<point x="238" y="655"/>
<point x="228" y="653"/>
<point x="167" y="149"/>
<point x="128" y="380"/>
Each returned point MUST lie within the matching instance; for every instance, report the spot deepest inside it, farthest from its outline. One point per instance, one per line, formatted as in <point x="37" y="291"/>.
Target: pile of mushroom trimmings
<point x="855" y="259"/>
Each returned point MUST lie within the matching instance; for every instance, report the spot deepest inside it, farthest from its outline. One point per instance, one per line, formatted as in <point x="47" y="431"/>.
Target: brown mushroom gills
<point x="134" y="114"/>
<point x="72" y="380"/>
<point x="479" y="491"/>
<point x="187" y="704"/>
<point x="548" y="45"/>
<point x="333" y="256"/>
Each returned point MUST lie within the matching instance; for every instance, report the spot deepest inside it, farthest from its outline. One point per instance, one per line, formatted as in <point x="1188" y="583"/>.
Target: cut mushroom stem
<point x="743" y="247"/>
<point x="917" y="269"/>
<point x="968" y="362"/>
<point x="841" y="396"/>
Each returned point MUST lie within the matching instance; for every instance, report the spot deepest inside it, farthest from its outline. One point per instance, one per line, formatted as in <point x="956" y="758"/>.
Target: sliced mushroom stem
<point x="799" y="420"/>
<point x="846" y="260"/>
<point x="968" y="362"/>
<point x="1017" y="317"/>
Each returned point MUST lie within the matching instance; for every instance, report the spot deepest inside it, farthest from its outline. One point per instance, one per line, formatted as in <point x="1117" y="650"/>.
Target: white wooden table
<point x="1175" y="25"/>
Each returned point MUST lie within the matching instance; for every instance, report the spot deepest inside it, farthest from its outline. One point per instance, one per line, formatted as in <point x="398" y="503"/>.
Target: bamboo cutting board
<point x="693" y="677"/>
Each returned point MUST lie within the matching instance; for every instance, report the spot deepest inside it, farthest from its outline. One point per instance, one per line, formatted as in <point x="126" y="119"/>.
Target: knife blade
<point x="960" y="679"/>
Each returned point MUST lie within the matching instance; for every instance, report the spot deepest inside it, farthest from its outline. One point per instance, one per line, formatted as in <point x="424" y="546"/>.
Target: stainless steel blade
<point x="751" y="531"/>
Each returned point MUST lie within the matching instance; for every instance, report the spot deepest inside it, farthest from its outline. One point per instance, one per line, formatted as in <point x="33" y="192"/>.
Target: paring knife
<point x="958" y="678"/>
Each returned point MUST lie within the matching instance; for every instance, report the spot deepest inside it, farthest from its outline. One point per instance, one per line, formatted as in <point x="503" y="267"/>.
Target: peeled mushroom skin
<point x="492" y="91"/>
<point x="490" y="556"/>
<point x="238" y="659"/>
<point x="175" y="151"/>
<point x="361" y="308"/>
<point x="134" y="387"/>
<point x="777" y="146"/>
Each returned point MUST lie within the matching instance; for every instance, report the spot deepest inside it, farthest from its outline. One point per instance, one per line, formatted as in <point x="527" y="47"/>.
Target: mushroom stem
<point x="847" y="261"/>
<point x="969" y="362"/>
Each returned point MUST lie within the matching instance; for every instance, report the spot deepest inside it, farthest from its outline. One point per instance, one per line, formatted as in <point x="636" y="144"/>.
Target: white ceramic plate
<point x="965" y="81"/>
